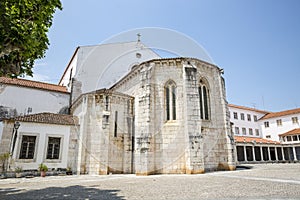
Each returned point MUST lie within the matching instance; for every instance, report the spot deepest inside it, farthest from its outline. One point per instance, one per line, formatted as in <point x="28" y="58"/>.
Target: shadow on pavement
<point x="71" y="192"/>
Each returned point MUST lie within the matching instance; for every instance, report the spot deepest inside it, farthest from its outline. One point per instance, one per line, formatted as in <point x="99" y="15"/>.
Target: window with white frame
<point x="295" y="120"/>
<point x="242" y="116"/>
<point x="250" y="131"/>
<point x="267" y="125"/>
<point x="235" y="115"/>
<point x="256" y="132"/>
<point x="255" y="118"/>
<point x="244" y="131"/>
<point x="248" y="117"/>
<point x="279" y="122"/>
<point x="170" y="100"/>
<point x="237" y="130"/>
<point x="27" y="147"/>
<point x="53" y="149"/>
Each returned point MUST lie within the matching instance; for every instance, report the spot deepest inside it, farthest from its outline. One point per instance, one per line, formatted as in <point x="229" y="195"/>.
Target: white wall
<point x="274" y="130"/>
<point x="101" y="66"/>
<point x="42" y="132"/>
<point x="245" y="123"/>
<point x="21" y="98"/>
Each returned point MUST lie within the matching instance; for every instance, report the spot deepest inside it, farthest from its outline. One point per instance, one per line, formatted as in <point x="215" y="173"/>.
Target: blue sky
<point x="256" y="42"/>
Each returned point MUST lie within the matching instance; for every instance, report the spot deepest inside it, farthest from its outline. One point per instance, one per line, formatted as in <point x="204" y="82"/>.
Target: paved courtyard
<point x="263" y="181"/>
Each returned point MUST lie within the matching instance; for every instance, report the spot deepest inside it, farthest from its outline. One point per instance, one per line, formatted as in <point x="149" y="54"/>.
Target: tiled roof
<point x="33" y="84"/>
<point x="246" y="108"/>
<point x="49" y="118"/>
<point x="292" y="132"/>
<point x="242" y="139"/>
<point x="282" y="113"/>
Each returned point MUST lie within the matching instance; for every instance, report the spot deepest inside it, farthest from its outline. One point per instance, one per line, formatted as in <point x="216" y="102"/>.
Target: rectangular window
<point x="237" y="130"/>
<point x="250" y="131"/>
<point x="256" y="132"/>
<point x="235" y="115"/>
<point x="255" y="118"/>
<point x="295" y="120"/>
<point x="244" y="131"/>
<point x="242" y="116"/>
<point x="53" y="148"/>
<point x="248" y="117"/>
<point x="289" y="138"/>
<point x="27" y="147"/>
<point x="266" y="124"/>
<point x="295" y="138"/>
<point x="279" y="122"/>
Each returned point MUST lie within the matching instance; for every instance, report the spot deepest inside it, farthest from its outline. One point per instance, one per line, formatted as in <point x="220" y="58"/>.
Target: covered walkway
<point x="251" y="149"/>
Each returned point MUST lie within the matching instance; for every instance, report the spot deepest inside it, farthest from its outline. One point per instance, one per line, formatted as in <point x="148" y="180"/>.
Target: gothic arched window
<point x="170" y="100"/>
<point x="204" y="101"/>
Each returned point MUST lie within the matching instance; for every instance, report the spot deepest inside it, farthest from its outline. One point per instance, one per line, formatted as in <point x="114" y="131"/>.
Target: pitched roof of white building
<point x="292" y="132"/>
<point x="281" y="113"/>
<point x="48" y="118"/>
<point x="32" y="84"/>
<point x="247" y="108"/>
<point x="246" y="139"/>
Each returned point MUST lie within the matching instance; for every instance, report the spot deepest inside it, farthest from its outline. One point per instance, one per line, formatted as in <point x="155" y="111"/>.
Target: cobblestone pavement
<point x="263" y="181"/>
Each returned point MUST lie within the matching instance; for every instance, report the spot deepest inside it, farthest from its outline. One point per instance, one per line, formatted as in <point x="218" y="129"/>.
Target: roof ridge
<point x="281" y="113"/>
<point x="248" y="108"/>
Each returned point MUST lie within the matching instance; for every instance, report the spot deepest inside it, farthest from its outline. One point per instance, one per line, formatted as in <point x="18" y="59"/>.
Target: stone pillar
<point x="95" y="135"/>
<point x="194" y="159"/>
<point x="261" y="153"/>
<point x="282" y="153"/>
<point x="104" y="138"/>
<point x="245" y="154"/>
<point x="253" y="152"/>
<point x="294" y="153"/>
<point x="144" y="163"/>
<point x="269" y="153"/>
<point x="276" y="156"/>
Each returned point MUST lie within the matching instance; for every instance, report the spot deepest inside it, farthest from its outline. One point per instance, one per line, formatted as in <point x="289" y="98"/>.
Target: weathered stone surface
<point x="125" y="129"/>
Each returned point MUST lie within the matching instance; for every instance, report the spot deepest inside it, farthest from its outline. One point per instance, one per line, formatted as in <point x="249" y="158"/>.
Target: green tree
<point x="23" y="34"/>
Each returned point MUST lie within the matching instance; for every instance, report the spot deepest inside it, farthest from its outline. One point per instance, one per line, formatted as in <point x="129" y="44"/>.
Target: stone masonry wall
<point x="187" y="144"/>
<point x="105" y="138"/>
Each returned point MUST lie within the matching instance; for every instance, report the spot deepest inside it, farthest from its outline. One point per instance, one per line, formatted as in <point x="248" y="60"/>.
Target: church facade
<point x="131" y="111"/>
<point x="164" y="116"/>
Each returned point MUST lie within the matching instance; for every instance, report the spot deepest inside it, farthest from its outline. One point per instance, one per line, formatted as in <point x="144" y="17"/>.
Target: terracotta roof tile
<point x="292" y="132"/>
<point x="48" y="118"/>
<point x="242" y="139"/>
<point x="33" y="84"/>
<point x="282" y="113"/>
<point x="246" y="108"/>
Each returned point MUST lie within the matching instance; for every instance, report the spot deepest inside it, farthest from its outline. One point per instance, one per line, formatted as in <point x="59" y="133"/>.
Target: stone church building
<point x="164" y="116"/>
<point x="142" y="114"/>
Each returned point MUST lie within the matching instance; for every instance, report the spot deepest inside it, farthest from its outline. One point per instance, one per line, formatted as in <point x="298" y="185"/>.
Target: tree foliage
<point x="23" y="34"/>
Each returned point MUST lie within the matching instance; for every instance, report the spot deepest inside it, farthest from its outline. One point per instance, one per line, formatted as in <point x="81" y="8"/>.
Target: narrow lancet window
<point x="204" y="101"/>
<point x="116" y="124"/>
<point x="170" y="100"/>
